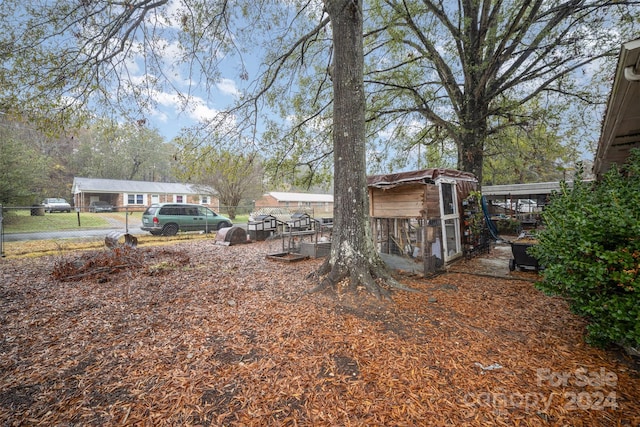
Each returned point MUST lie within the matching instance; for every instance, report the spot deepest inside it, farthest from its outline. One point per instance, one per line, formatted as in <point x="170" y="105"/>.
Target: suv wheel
<point x="170" y="230"/>
<point x="223" y="224"/>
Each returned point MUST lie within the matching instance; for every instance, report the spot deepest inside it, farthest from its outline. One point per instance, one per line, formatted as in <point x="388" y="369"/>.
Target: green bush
<point x="590" y="249"/>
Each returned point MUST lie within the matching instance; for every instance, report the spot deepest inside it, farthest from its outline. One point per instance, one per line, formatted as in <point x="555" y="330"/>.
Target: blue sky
<point x="170" y="114"/>
<point x="183" y="99"/>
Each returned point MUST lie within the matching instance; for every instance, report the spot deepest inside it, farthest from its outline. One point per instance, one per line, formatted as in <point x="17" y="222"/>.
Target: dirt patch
<point x="494" y="264"/>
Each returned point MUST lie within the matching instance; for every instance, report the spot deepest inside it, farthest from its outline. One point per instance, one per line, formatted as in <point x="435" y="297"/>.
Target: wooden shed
<point x="416" y="216"/>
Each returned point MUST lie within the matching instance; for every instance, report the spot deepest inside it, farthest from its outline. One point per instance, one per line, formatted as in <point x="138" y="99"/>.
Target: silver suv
<point x="169" y="218"/>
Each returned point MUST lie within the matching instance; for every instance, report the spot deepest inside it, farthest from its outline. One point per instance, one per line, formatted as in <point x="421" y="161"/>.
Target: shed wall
<point x="432" y="201"/>
<point x="400" y="202"/>
<point x="405" y="201"/>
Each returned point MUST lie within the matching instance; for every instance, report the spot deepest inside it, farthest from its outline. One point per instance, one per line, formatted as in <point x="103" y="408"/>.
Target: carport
<point x="621" y="126"/>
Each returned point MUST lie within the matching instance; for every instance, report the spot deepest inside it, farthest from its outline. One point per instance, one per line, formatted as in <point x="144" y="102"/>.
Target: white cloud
<point x="195" y="107"/>
<point x="228" y="87"/>
<point x="167" y="99"/>
<point x="200" y="111"/>
<point x="159" y="116"/>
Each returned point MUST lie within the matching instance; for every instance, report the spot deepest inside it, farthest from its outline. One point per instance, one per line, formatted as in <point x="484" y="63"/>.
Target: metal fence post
<point x="1" y="232"/>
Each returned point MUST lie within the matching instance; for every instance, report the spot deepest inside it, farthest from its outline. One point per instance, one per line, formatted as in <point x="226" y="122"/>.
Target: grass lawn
<point x="239" y="219"/>
<point x="36" y="248"/>
<point x="21" y="221"/>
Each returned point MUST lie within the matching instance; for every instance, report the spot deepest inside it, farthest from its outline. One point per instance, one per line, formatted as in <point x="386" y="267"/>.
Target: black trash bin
<point x="521" y="258"/>
<point x="37" y="210"/>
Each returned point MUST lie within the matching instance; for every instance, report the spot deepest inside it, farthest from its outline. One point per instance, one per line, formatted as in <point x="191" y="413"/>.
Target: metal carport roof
<point x="621" y="125"/>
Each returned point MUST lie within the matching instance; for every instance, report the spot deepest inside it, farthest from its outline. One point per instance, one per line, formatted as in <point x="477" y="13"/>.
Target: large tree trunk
<point x="353" y="258"/>
<point x="471" y="152"/>
<point x="474" y="126"/>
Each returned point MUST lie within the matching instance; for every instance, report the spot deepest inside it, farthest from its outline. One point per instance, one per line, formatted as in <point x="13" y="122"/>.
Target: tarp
<point x="423" y="175"/>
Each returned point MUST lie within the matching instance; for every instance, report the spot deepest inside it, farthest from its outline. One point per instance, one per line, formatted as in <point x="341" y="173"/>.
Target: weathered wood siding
<point x="432" y="201"/>
<point x="405" y="201"/>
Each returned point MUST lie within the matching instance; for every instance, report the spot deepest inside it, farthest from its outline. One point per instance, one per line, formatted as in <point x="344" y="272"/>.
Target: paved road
<point x="68" y="234"/>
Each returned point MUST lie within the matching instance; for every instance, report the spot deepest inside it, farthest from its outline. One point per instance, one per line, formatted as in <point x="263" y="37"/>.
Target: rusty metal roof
<point x="417" y="176"/>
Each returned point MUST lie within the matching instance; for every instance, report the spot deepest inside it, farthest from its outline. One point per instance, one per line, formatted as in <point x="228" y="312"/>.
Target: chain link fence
<point x="28" y="230"/>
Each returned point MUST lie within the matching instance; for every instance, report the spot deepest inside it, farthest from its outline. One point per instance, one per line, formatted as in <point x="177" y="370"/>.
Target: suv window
<point x="192" y="211"/>
<point x="151" y="210"/>
<point x="171" y="210"/>
<point x="202" y="211"/>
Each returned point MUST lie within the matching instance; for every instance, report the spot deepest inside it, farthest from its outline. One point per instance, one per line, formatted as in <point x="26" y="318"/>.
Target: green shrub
<point x="590" y="249"/>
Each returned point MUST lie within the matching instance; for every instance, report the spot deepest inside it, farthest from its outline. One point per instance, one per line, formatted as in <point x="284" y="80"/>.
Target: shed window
<point x="448" y="201"/>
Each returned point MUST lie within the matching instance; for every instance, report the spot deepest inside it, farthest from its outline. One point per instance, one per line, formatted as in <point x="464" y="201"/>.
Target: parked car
<point x="168" y="218"/>
<point x="519" y="205"/>
<point x="55" y="204"/>
<point x="100" y="206"/>
<point x="528" y="206"/>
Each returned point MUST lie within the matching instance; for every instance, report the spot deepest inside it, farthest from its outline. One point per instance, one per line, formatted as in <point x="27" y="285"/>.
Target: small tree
<point x="23" y="169"/>
<point x="590" y="248"/>
<point x="233" y="176"/>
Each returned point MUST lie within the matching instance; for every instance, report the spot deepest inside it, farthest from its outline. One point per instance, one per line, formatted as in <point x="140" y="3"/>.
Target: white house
<point x="137" y="195"/>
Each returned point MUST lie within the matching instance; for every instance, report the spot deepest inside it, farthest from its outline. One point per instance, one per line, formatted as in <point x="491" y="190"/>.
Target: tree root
<point x="375" y="279"/>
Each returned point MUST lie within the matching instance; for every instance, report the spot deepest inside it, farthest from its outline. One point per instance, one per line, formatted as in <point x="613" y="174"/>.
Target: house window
<point x="204" y="200"/>
<point x="135" y="199"/>
<point x="179" y="198"/>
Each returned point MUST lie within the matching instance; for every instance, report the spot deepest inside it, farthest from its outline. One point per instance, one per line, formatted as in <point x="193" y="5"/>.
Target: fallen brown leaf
<point x="199" y="334"/>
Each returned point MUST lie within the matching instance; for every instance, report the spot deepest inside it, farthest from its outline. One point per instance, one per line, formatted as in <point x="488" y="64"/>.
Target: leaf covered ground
<point x="199" y="334"/>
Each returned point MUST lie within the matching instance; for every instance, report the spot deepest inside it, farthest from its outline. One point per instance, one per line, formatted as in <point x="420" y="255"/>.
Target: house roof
<point x="98" y="185"/>
<point x="419" y="176"/>
<point x="301" y="197"/>
<point x="621" y="126"/>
